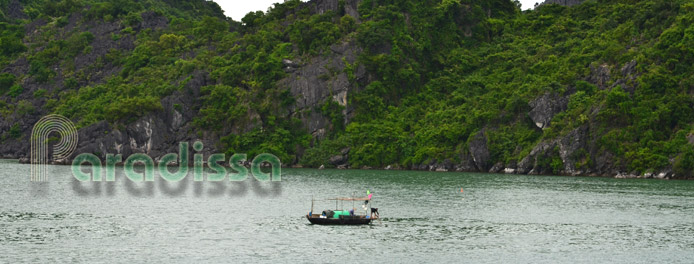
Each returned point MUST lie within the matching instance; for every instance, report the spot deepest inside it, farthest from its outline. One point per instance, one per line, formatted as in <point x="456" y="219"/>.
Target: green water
<point x="425" y="218"/>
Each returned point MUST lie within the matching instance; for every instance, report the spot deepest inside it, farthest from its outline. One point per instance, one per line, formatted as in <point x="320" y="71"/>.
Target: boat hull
<point x="356" y="220"/>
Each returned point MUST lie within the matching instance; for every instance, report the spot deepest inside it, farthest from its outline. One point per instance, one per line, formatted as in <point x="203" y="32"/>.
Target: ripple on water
<point x="33" y="227"/>
<point x="425" y="218"/>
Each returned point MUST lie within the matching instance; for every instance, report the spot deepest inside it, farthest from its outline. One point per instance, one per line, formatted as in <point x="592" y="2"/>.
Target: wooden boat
<point x="342" y="217"/>
<point x="342" y="220"/>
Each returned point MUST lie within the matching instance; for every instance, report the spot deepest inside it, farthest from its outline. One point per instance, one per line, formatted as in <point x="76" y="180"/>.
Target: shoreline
<point x="621" y="175"/>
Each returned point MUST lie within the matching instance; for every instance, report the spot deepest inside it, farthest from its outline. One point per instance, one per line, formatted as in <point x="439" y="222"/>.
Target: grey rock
<point x="600" y="76"/>
<point x="629" y="75"/>
<point x="512" y="165"/>
<point x="15" y="10"/>
<point x="479" y="151"/>
<point x="322" y="6"/>
<point x="567" y="146"/>
<point x="319" y="80"/>
<point x="570" y="144"/>
<point x="498" y="167"/>
<point x="345" y="151"/>
<point x="690" y="139"/>
<point x="466" y="164"/>
<point x="155" y="134"/>
<point x="338" y="160"/>
<point x="629" y="68"/>
<point x="525" y="165"/>
<point x="448" y="165"/>
<point x="662" y="175"/>
<point x="441" y="169"/>
<point x="290" y="63"/>
<point x="62" y="162"/>
<point x="545" y="107"/>
<point x="623" y="175"/>
<point x="152" y="20"/>
<point x="530" y="164"/>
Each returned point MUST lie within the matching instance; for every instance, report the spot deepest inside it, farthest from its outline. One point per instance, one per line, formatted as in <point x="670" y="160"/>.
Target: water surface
<point x="425" y="217"/>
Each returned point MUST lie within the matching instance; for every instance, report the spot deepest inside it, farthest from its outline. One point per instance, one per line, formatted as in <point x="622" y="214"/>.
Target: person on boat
<point x="374" y="211"/>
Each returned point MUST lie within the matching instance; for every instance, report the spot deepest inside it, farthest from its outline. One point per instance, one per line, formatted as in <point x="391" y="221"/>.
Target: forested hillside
<point x="598" y="88"/>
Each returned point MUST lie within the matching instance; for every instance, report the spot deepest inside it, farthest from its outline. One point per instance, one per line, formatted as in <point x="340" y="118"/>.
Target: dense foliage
<point x="441" y="71"/>
<point x="438" y="88"/>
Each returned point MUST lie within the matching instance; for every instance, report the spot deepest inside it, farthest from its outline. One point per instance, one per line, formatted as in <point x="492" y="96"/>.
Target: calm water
<point x="498" y="218"/>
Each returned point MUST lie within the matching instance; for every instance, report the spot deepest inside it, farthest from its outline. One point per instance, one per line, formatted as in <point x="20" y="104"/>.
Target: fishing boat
<point x="359" y="214"/>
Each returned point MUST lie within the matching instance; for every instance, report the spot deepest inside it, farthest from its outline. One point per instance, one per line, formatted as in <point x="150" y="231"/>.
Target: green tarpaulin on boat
<point x="339" y="213"/>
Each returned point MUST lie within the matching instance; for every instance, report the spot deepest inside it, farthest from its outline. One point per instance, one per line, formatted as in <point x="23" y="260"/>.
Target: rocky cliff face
<point x="155" y="134"/>
<point x="578" y="152"/>
<point x="321" y="79"/>
<point x="14" y="10"/>
<point x="321" y="6"/>
<point x="546" y="107"/>
<point x="312" y="81"/>
<point x="575" y="153"/>
<point x="99" y="138"/>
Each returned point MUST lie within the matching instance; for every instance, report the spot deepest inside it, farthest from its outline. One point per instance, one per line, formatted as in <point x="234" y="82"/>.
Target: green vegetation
<point x="437" y="88"/>
<point x="10" y="42"/>
<point x="439" y="73"/>
<point x="15" y="90"/>
<point x="14" y="132"/>
<point x="7" y="80"/>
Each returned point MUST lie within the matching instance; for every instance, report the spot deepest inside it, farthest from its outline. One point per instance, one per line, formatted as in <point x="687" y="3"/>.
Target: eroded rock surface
<point x="546" y="107"/>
